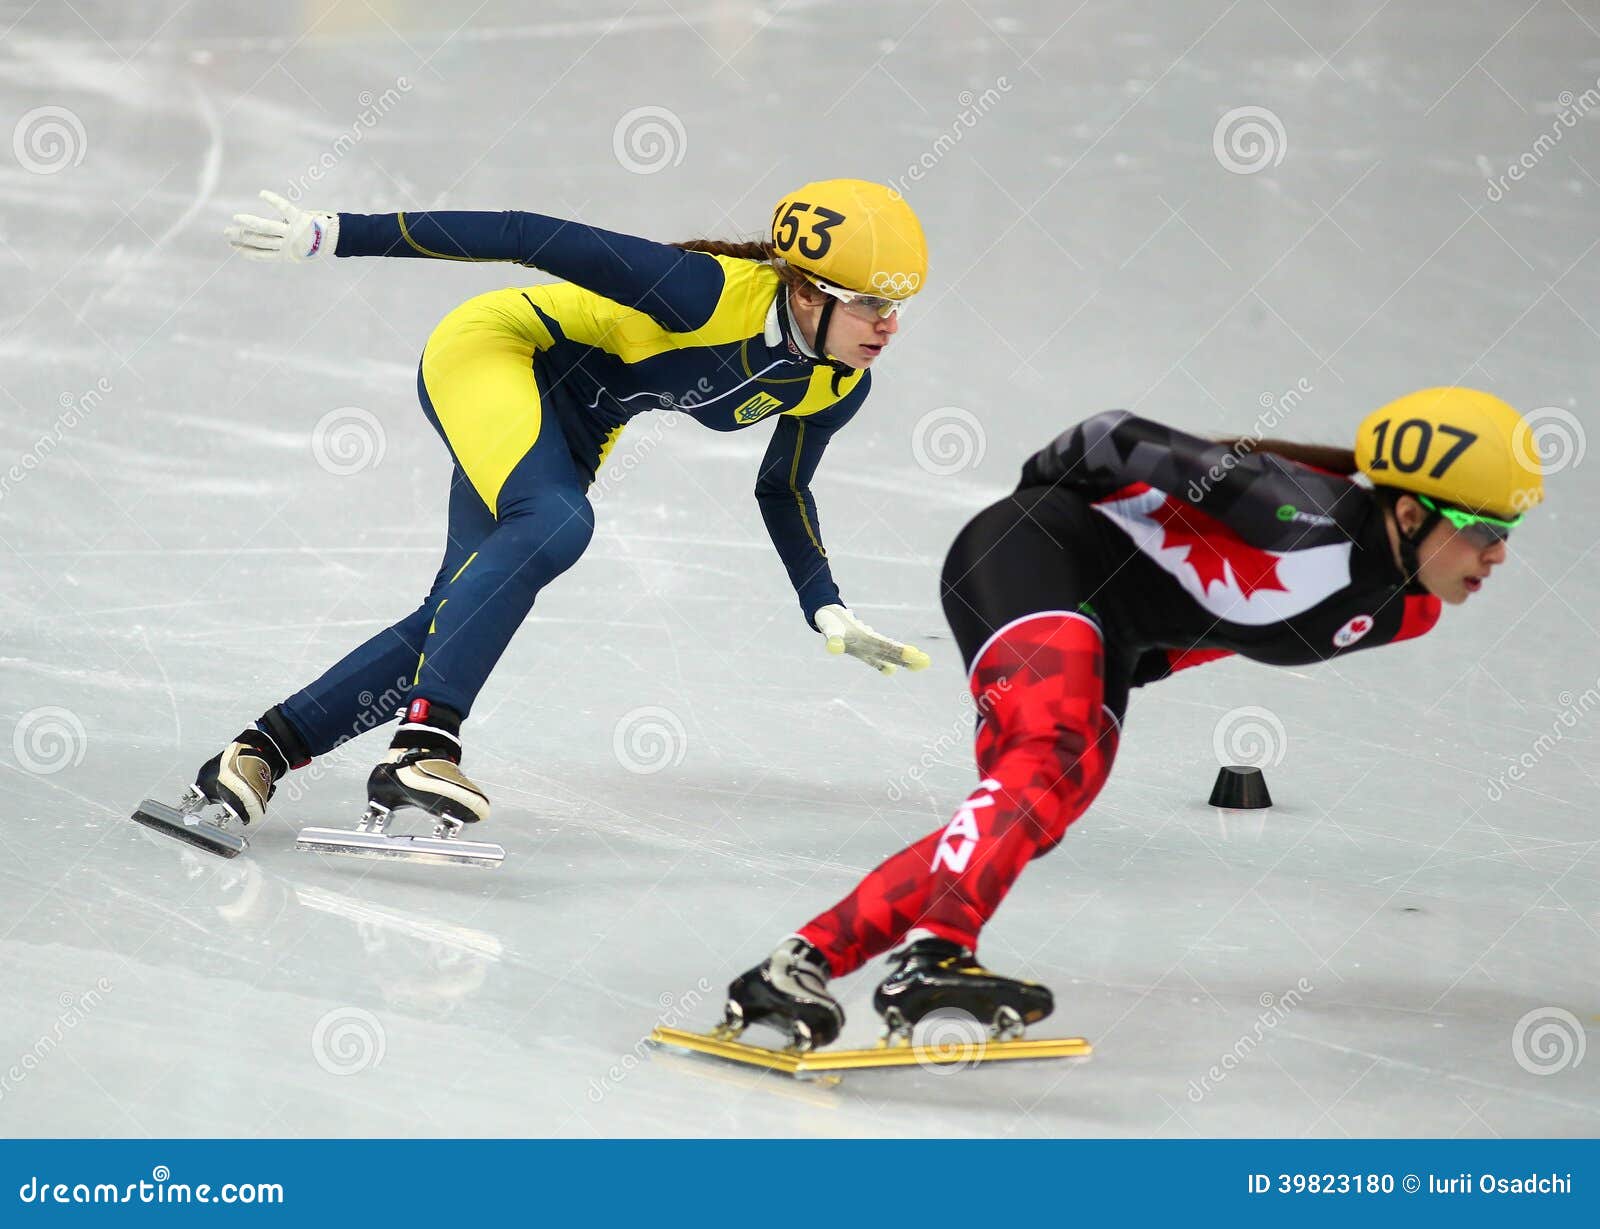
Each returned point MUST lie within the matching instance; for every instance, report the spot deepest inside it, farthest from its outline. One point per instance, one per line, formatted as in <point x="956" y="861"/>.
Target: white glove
<point x="296" y="235"/>
<point x="847" y="634"/>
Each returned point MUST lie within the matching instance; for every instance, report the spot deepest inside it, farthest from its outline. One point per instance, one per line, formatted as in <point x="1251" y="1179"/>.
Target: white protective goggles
<point x="861" y="306"/>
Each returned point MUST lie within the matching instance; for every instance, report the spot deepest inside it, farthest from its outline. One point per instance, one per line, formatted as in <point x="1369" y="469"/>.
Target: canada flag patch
<point x="1352" y="631"/>
<point x="1229" y="578"/>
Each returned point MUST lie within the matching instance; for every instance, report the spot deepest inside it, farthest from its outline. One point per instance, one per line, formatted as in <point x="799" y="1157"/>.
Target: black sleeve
<point x="1270" y="502"/>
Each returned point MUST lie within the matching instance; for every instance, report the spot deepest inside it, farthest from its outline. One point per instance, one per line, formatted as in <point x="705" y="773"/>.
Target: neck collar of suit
<point x="782" y="332"/>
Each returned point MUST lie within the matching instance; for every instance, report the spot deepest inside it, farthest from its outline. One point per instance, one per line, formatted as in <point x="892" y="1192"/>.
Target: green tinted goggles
<point x="1482" y="531"/>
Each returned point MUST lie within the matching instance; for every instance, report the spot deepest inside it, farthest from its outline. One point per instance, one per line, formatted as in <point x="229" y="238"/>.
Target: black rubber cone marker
<point x="1240" y="788"/>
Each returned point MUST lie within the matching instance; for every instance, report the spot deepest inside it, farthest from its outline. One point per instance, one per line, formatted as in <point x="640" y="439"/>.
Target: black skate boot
<point x="789" y="992"/>
<point x="232" y="788"/>
<point x="243" y="776"/>
<point x="423" y="769"/>
<point x="937" y="975"/>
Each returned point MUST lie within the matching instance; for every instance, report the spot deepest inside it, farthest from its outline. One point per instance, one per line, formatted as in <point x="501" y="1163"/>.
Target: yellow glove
<point x="845" y="633"/>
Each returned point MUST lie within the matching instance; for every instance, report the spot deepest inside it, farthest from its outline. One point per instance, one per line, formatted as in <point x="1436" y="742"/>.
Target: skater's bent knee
<point x="556" y="526"/>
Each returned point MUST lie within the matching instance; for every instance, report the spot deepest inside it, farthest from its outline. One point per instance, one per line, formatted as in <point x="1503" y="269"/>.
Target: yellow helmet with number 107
<point x="1460" y="446"/>
<point x="852" y="234"/>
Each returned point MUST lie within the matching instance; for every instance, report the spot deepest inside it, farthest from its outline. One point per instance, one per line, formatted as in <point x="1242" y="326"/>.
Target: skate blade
<point x="353" y="844"/>
<point x="192" y="828"/>
<point x="1007" y="1025"/>
<point x="823" y="1062"/>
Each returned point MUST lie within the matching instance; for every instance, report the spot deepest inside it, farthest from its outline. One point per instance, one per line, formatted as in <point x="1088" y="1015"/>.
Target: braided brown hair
<point x="1330" y="457"/>
<point x="759" y="250"/>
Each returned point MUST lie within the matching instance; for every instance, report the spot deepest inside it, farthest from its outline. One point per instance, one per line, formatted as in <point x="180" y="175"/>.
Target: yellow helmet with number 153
<point x="854" y="235"/>
<point x="1458" y="446"/>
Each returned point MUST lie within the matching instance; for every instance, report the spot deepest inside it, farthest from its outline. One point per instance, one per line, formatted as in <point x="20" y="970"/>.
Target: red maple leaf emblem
<point x="1360" y="623"/>
<point x="1215" y="551"/>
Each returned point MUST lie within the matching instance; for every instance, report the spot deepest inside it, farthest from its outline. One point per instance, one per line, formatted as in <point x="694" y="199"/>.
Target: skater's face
<point x="853" y="339"/>
<point x="1451" y="564"/>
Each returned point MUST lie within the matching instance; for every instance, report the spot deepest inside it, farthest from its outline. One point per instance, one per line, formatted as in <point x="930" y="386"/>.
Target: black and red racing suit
<point x="1128" y="550"/>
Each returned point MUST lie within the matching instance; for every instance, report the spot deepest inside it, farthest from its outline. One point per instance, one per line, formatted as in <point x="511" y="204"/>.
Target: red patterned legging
<point x="1044" y="750"/>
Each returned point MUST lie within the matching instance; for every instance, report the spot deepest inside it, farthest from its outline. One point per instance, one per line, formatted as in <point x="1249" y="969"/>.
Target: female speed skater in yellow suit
<point x="529" y="389"/>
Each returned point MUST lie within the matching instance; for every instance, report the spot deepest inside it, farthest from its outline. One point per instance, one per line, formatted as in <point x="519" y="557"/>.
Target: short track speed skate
<point x="196" y="821"/>
<point x="935" y="1022"/>
<point x="422" y="770"/>
<point x="230" y="792"/>
<point x="371" y="838"/>
<point x="789" y="992"/>
<point x="935" y="976"/>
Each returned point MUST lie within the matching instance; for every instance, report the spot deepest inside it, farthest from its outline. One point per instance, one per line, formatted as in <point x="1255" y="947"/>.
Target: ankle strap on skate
<point x="286" y="741"/>
<point x="434" y="728"/>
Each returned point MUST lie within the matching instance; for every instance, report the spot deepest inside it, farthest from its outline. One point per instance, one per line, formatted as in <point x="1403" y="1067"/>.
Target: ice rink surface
<point x="214" y="480"/>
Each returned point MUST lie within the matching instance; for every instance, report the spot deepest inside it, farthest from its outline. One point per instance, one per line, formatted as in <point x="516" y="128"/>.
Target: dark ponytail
<point x="721" y="247"/>
<point x="1329" y="457"/>
<point x="760" y="250"/>
<point x="1336" y="460"/>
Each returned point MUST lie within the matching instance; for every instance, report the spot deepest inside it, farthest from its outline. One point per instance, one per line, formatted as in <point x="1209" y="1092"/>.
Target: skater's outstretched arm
<point x="783" y="490"/>
<point x="676" y="288"/>
<point x="1270" y="502"/>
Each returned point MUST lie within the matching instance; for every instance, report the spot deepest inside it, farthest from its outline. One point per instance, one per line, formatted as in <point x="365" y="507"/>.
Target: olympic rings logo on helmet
<point x="897" y="285"/>
<point x="1526" y="497"/>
